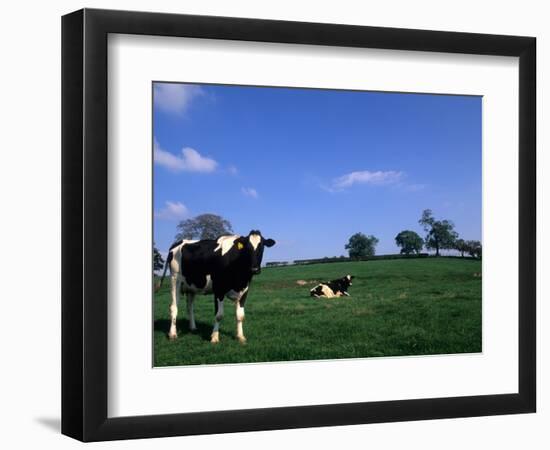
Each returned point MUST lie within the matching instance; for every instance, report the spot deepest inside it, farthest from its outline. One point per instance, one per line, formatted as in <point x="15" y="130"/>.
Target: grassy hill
<point x="397" y="307"/>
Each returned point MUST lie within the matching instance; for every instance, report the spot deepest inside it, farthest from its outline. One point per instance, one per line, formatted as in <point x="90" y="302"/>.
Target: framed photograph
<point x="272" y="224"/>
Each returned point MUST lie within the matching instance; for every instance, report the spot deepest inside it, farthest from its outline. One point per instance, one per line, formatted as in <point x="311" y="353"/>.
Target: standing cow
<point x="224" y="267"/>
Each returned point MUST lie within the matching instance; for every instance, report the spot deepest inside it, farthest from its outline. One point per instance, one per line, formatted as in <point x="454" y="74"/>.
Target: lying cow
<point x="224" y="267"/>
<point x="332" y="289"/>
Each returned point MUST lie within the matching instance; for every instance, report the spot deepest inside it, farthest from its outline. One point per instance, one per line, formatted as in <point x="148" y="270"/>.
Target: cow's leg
<point x="218" y="308"/>
<point x="175" y="293"/>
<point x="190" y="311"/>
<point x="239" y="311"/>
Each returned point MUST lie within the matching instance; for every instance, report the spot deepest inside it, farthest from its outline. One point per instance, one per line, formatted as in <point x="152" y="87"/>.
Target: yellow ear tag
<point x="240" y="246"/>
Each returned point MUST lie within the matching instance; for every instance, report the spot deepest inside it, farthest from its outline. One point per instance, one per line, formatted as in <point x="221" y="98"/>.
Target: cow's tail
<point x="166" y="264"/>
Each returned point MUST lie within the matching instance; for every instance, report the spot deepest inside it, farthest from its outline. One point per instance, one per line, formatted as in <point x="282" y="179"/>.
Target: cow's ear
<point x="269" y="242"/>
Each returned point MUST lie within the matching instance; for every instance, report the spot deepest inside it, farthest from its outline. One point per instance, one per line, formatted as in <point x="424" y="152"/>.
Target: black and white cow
<point x="222" y="266"/>
<point x="334" y="288"/>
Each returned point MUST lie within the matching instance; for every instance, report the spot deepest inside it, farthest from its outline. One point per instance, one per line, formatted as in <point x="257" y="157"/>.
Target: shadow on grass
<point x="204" y="329"/>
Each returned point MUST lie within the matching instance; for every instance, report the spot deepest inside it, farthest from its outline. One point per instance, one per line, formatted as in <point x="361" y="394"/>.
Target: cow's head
<point x="347" y="280"/>
<point x="251" y="248"/>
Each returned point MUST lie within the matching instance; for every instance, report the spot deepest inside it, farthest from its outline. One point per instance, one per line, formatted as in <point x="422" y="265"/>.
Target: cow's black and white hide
<point x="223" y="267"/>
<point x="332" y="289"/>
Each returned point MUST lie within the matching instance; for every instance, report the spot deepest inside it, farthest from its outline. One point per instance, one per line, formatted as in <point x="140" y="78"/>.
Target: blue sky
<point x="311" y="167"/>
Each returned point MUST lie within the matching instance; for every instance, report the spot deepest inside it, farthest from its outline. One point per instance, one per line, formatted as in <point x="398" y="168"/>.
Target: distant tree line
<point x="331" y="259"/>
<point x="276" y="263"/>
<point x="440" y="235"/>
<point x="473" y="248"/>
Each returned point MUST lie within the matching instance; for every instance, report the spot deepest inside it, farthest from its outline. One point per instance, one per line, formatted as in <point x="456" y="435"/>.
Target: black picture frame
<point x="84" y="224"/>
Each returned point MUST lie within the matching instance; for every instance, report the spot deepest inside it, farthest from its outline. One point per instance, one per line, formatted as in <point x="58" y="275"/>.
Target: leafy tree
<point x="409" y="241"/>
<point x="474" y="249"/>
<point x="204" y="226"/>
<point x="158" y="260"/>
<point x="461" y="246"/>
<point x="440" y="233"/>
<point x="361" y="245"/>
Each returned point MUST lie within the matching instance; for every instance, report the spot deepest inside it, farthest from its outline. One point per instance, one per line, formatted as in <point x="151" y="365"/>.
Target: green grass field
<point x="397" y="307"/>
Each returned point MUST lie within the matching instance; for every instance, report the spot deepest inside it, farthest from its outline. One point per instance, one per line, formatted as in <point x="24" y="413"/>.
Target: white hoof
<point x="215" y="338"/>
<point x="241" y="339"/>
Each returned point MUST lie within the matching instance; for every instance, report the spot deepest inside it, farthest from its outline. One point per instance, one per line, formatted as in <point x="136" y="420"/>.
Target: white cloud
<point x="249" y="192"/>
<point x="194" y="162"/>
<point x="377" y="178"/>
<point x="172" y="211"/>
<point x="233" y="170"/>
<point x="190" y="160"/>
<point x="175" y="98"/>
